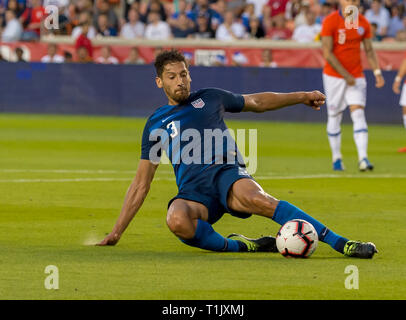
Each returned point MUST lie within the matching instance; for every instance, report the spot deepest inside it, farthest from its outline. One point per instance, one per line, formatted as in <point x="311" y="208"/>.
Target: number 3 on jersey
<point x="172" y="127"/>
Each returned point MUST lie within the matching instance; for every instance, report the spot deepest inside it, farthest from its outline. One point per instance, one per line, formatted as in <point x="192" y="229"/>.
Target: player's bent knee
<point x="180" y="225"/>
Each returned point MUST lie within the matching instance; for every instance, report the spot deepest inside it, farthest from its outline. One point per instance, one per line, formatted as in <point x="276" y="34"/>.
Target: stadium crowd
<point x="225" y="20"/>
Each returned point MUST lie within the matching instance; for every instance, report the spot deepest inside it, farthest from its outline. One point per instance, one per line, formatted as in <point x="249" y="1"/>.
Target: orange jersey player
<point x="344" y="83"/>
<point x="396" y="88"/>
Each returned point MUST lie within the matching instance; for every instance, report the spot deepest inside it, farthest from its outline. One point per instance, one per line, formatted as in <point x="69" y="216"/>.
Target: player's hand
<point x="396" y="86"/>
<point x="379" y="81"/>
<point x="350" y="80"/>
<point x="110" y="240"/>
<point x="314" y="99"/>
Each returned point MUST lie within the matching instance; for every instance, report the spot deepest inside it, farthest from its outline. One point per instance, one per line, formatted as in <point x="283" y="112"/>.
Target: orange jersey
<point x="346" y="43"/>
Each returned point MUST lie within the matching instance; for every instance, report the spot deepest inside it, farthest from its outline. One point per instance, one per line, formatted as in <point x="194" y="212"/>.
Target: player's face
<point x="175" y="81"/>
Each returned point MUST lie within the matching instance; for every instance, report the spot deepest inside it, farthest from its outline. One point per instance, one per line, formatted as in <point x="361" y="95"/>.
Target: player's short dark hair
<point x="165" y="57"/>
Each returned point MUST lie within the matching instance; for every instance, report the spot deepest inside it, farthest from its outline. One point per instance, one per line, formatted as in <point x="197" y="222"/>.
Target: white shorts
<point x="402" y="101"/>
<point x="340" y="95"/>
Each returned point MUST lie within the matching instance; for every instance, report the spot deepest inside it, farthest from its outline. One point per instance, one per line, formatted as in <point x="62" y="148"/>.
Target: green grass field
<point x="63" y="181"/>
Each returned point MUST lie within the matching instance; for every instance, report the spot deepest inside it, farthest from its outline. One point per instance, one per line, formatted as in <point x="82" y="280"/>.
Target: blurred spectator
<point x="106" y="57"/>
<point x="220" y="8"/>
<point x="15" y="6"/>
<point x="203" y="28"/>
<point x="300" y="18"/>
<point x="83" y="41"/>
<point x="182" y="8"/>
<point x="258" y="6"/>
<point x="82" y="55"/>
<point x="279" y="31"/>
<point x="156" y="6"/>
<point x="157" y="29"/>
<point x="267" y="59"/>
<point x="389" y="4"/>
<point x="67" y="56"/>
<point x="230" y="29"/>
<point x="13" y="29"/>
<point x="2" y="59"/>
<point x="84" y="19"/>
<point x="31" y="19"/>
<point x="103" y="29"/>
<point x="134" y="28"/>
<point x="277" y="7"/>
<point x="52" y="56"/>
<point x="2" y="7"/>
<point x="395" y="23"/>
<point x="380" y="15"/>
<point x="293" y="8"/>
<point x="307" y="32"/>
<point x="103" y="7"/>
<point x="255" y="29"/>
<point x="214" y="18"/>
<point x="374" y="35"/>
<point x="73" y="17"/>
<point x="78" y="12"/>
<point x="19" y="54"/>
<point x="183" y="27"/>
<point x="249" y="12"/>
<point x="325" y="10"/>
<point x="134" y="57"/>
<point x="401" y="35"/>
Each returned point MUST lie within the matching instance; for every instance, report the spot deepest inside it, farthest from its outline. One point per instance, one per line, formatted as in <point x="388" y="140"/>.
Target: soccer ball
<point x="297" y="238"/>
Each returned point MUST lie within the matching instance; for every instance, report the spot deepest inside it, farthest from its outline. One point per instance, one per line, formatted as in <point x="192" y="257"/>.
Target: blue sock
<point x="286" y="211"/>
<point x="208" y="239"/>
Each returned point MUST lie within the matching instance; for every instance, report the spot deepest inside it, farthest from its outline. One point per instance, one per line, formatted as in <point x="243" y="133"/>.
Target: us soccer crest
<point x="198" y="104"/>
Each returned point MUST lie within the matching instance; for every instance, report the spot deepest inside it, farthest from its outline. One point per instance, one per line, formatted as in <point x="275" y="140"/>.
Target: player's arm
<point x="327" y="45"/>
<point x="267" y="101"/>
<point x="373" y="62"/>
<point x="399" y="77"/>
<point x="134" y="198"/>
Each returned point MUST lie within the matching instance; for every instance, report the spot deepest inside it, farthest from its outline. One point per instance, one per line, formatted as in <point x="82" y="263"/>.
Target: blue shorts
<point x="211" y="187"/>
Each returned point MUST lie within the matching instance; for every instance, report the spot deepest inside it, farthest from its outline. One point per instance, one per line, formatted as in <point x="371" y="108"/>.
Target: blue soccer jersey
<point x="193" y="133"/>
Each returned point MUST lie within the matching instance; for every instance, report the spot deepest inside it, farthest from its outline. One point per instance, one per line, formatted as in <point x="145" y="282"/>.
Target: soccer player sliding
<point x="211" y="187"/>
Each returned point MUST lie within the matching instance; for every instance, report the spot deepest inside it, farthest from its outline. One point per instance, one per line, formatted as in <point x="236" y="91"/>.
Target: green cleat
<point x="358" y="249"/>
<point x="263" y="244"/>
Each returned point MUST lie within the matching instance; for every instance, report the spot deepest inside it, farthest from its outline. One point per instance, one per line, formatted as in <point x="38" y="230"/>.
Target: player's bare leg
<point x="404" y="123"/>
<point x="247" y="195"/>
<point x="183" y="215"/>
<point x="361" y="136"/>
<point x="188" y="221"/>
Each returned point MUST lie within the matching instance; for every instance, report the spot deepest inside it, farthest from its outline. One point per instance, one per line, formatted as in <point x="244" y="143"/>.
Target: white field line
<point x="270" y="177"/>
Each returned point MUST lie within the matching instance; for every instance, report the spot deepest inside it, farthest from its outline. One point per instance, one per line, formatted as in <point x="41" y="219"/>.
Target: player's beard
<point x="179" y="95"/>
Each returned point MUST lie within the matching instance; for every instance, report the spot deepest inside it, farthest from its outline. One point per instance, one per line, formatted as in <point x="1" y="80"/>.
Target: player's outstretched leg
<point x="188" y="221"/>
<point x="247" y="195"/>
<point x="361" y="137"/>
